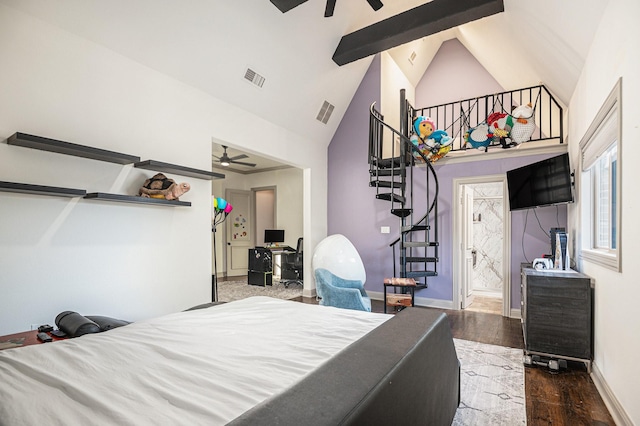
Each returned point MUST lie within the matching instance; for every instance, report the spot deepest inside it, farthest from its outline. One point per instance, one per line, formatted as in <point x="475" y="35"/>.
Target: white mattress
<point x="206" y="366"/>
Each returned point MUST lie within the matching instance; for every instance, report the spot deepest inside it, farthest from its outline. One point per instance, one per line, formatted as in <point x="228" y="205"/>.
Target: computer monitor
<point x="272" y="236"/>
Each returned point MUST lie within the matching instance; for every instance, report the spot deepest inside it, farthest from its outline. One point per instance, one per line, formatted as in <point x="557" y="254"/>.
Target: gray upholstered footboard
<point x="404" y="372"/>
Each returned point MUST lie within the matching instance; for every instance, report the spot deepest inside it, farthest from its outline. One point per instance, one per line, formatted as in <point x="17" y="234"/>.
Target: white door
<point x="467" y="247"/>
<point x="239" y="232"/>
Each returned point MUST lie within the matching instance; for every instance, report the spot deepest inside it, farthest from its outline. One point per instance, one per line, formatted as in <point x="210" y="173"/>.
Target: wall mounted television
<point x="544" y="183"/>
<point x="272" y="236"/>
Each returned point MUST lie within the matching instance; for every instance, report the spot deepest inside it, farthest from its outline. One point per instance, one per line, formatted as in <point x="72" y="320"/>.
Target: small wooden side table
<point x="26" y="338"/>
<point x="399" y="300"/>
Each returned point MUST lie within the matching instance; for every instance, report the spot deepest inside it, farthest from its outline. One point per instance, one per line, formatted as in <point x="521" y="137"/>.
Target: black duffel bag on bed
<point x="74" y="324"/>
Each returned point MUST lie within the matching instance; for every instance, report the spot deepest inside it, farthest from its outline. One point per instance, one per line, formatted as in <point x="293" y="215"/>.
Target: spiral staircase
<point x="404" y="177"/>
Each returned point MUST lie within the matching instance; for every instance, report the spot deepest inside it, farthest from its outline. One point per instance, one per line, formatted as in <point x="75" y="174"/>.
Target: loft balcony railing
<point x="458" y="117"/>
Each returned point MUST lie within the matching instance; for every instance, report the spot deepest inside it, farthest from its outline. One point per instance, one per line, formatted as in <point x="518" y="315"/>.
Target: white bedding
<point x="206" y="366"/>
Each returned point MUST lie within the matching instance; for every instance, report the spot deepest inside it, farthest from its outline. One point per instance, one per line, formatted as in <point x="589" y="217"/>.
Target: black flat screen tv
<point x="272" y="236"/>
<point x="544" y="183"/>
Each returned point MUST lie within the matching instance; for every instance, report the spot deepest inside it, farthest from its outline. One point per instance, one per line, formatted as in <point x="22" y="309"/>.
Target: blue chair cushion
<point x="340" y="292"/>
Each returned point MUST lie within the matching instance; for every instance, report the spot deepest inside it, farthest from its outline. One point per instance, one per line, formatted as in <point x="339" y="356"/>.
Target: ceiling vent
<point x="254" y="77"/>
<point x="325" y="112"/>
<point x="412" y="57"/>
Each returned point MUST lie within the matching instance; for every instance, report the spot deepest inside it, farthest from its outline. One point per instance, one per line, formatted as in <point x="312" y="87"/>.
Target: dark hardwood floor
<point x="568" y="397"/>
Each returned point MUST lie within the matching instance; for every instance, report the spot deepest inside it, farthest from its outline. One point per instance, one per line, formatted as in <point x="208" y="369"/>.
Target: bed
<point x="254" y="361"/>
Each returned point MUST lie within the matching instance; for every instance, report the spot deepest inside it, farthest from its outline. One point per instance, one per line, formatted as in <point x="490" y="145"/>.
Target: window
<point x="600" y="149"/>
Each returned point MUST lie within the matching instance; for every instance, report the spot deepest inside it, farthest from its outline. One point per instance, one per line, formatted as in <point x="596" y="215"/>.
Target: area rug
<point x="228" y="291"/>
<point x="492" y="385"/>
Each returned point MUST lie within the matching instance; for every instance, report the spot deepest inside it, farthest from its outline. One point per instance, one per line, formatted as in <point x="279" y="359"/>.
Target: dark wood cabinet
<point x="557" y="314"/>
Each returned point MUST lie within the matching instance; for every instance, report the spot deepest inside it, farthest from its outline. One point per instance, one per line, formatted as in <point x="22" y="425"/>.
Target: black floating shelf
<point x="135" y="199"/>
<point x="68" y="148"/>
<point x="25" y="188"/>
<point x="180" y="170"/>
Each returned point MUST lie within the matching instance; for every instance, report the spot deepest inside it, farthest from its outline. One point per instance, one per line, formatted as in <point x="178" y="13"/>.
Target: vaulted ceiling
<point x="210" y="44"/>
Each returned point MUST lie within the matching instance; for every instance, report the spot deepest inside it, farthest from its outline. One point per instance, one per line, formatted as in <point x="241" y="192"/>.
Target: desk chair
<point x="292" y="266"/>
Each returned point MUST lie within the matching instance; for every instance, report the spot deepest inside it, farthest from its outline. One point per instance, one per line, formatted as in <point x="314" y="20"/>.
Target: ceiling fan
<point x="286" y="5"/>
<point x="225" y="160"/>
<point x="331" y="5"/>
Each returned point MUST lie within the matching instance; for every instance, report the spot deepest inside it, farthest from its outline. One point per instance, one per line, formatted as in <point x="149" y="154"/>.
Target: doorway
<point x="253" y="212"/>
<point x="239" y="233"/>
<point x="266" y="213"/>
<point x="482" y="232"/>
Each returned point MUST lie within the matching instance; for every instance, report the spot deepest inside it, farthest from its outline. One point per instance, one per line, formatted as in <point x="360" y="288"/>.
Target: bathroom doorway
<point x="483" y="235"/>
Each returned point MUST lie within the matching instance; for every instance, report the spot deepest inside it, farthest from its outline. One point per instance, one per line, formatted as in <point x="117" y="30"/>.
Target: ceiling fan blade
<point x="238" y="157"/>
<point x="216" y="157"/>
<point x="286" y="5"/>
<point x="244" y="164"/>
<point x="375" y="4"/>
<point x="328" y="11"/>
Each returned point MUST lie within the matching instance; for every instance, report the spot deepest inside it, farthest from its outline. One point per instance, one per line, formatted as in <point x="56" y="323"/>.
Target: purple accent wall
<point x="352" y="208"/>
<point x="535" y="241"/>
<point x="463" y="77"/>
<point x="354" y="211"/>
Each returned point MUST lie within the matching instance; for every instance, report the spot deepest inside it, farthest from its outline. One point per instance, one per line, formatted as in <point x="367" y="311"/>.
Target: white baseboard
<point x="515" y="313"/>
<point x="615" y="409"/>
<point x="309" y="292"/>
<point x="419" y="301"/>
<point x="487" y="293"/>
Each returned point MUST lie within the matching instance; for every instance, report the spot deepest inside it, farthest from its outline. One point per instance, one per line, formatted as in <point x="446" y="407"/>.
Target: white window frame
<point x="605" y="132"/>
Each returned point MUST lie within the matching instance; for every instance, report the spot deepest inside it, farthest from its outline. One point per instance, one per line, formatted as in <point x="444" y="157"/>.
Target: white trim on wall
<point x="605" y="130"/>
<point x="616" y="410"/>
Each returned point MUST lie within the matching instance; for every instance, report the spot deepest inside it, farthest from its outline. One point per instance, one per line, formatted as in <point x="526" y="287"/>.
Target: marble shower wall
<point x="488" y="237"/>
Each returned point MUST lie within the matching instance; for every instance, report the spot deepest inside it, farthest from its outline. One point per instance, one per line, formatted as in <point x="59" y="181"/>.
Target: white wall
<point x="614" y="54"/>
<point x="392" y="80"/>
<point x="126" y="261"/>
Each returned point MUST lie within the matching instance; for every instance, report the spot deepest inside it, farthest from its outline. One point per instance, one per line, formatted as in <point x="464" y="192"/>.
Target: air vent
<point x="325" y="112"/>
<point x="412" y="57"/>
<point x="254" y="77"/>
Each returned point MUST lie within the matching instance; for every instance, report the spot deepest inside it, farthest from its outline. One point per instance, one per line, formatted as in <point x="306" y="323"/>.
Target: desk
<point x="276" y="255"/>
<point x="265" y="264"/>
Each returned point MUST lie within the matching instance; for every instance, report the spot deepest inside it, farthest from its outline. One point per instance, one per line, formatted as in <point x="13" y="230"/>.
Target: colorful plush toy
<point x="479" y="137"/>
<point x="433" y="144"/>
<point x="160" y="186"/>
<point x="500" y="124"/>
<point x="439" y="143"/>
<point x="524" y="123"/>
<point x="423" y="127"/>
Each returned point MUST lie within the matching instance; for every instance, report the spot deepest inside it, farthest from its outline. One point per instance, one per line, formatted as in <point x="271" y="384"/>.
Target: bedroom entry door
<point x="239" y="231"/>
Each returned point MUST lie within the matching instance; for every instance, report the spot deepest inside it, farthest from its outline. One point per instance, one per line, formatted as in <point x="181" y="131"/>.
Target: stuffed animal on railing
<point x="433" y="144"/>
<point x="479" y="137"/>
<point x="524" y="123"/>
<point x="422" y="127"/>
<point x="500" y="124"/>
<point x="439" y="143"/>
